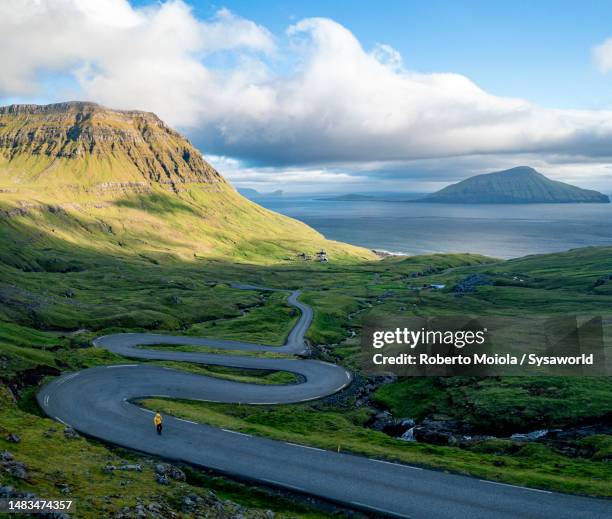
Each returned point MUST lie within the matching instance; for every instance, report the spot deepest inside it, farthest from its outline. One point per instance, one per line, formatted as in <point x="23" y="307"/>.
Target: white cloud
<point x="602" y="54"/>
<point x="292" y="179"/>
<point x="342" y="103"/>
<point x="148" y="58"/>
<point x="311" y="96"/>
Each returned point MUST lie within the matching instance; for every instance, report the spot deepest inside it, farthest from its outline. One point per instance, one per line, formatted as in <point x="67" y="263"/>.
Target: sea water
<point x="498" y="230"/>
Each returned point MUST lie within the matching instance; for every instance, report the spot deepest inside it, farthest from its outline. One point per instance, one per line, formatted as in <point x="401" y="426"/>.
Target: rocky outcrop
<point x="11" y="466"/>
<point x="202" y="504"/>
<point x="168" y="471"/>
<point x="13" y="438"/>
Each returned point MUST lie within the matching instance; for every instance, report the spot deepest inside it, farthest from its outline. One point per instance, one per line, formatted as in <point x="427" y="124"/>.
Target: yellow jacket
<point x="158" y="419"/>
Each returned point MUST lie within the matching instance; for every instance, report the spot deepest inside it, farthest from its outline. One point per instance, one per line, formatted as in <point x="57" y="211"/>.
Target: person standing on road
<point x="158" y="422"/>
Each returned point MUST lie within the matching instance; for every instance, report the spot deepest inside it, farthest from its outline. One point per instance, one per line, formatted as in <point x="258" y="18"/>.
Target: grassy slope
<point x="122" y="183"/>
<point x="268" y="324"/>
<point x="500" y="405"/>
<point x="213" y="222"/>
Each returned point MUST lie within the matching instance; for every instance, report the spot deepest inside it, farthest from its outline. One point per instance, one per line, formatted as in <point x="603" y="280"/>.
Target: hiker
<point x="158" y="423"/>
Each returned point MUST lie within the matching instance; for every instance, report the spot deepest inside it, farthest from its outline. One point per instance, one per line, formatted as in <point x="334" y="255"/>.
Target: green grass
<point x="194" y="348"/>
<point x="268" y="324"/>
<point x="16" y="335"/>
<point x="16" y="359"/>
<point x="159" y="227"/>
<point x="501" y="405"/>
<point x="597" y="447"/>
<point x="330" y="316"/>
<point x="22" y="348"/>
<point x="249" y="376"/>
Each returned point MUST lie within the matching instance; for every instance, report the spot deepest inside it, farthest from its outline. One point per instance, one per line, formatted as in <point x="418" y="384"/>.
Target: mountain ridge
<point x="144" y="147"/>
<point x="122" y="182"/>
<point x="519" y="185"/>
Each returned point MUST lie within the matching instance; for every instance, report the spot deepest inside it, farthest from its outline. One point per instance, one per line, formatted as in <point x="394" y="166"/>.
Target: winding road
<point x="99" y="402"/>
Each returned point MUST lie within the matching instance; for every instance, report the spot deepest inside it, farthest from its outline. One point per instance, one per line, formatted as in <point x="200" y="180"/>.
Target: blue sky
<point x="337" y="96"/>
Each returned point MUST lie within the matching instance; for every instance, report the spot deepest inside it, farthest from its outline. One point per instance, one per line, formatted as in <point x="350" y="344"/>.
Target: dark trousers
<point x="159" y="428"/>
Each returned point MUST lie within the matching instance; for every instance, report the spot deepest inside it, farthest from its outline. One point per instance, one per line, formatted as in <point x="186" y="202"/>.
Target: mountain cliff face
<point x="89" y="140"/>
<point x="78" y="176"/>
<point x="521" y="185"/>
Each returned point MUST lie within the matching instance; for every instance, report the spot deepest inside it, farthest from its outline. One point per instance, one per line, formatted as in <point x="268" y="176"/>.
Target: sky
<point x="343" y="96"/>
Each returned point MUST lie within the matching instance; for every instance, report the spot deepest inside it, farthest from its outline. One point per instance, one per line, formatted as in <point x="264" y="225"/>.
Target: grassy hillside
<point x="122" y="183"/>
<point x="190" y="225"/>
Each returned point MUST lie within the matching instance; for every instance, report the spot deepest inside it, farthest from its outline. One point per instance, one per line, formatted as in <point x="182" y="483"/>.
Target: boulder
<point x="135" y="467"/>
<point x="108" y="468"/>
<point x="63" y="488"/>
<point x="70" y="433"/>
<point x="438" y="432"/>
<point x="188" y="504"/>
<point x="17" y="469"/>
<point x="6" y="456"/>
<point x="161" y="479"/>
<point x="381" y="420"/>
<point x="170" y="471"/>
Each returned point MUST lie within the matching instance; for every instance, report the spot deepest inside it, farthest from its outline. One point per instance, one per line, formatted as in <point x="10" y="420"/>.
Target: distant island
<point x="253" y="193"/>
<point x="520" y="185"/>
<point x="350" y="197"/>
<point x="377" y="197"/>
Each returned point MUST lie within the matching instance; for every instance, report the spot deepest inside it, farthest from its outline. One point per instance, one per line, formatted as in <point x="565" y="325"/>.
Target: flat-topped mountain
<point x="124" y="183"/>
<point x="92" y="144"/>
<point x="520" y="185"/>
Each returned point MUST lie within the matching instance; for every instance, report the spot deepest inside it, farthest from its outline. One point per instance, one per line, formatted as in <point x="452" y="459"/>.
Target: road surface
<point x="99" y="402"/>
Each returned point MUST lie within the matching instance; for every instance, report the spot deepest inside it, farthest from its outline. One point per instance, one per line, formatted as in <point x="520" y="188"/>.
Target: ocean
<point x="502" y="231"/>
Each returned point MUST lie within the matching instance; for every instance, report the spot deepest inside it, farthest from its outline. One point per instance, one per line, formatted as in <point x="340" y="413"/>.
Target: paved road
<point x="98" y="402"/>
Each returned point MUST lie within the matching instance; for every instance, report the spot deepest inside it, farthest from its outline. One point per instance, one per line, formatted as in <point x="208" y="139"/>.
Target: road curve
<point x="99" y="402"/>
